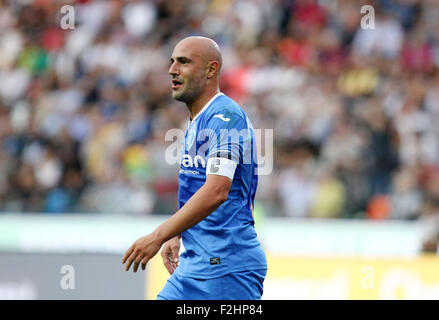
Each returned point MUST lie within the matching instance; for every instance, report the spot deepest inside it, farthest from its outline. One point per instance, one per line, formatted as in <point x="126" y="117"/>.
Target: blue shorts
<point x="246" y="285"/>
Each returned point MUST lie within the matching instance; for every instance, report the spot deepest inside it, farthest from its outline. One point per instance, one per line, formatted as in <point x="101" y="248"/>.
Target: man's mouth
<point x="176" y="84"/>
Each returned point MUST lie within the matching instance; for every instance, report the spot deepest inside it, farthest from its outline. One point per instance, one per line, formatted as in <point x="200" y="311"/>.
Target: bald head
<point x="205" y="48"/>
<point x="195" y="66"/>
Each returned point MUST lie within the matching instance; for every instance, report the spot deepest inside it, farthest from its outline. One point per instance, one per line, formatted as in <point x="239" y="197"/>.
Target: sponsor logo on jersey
<point x="197" y="161"/>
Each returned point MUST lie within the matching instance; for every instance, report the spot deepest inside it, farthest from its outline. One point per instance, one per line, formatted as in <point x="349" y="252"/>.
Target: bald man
<point x="223" y="258"/>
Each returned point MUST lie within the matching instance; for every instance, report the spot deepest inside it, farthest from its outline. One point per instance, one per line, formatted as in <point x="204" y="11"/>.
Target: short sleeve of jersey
<point x="228" y="135"/>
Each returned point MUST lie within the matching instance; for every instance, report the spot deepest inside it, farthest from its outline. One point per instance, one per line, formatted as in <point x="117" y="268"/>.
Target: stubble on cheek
<point x="188" y="92"/>
<point x="191" y="88"/>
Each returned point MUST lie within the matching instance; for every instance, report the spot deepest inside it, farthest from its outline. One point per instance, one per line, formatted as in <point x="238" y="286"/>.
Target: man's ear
<point x="212" y="69"/>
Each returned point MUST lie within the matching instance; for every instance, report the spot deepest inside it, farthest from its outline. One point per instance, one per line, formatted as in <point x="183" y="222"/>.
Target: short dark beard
<point x="186" y="97"/>
<point x="189" y="95"/>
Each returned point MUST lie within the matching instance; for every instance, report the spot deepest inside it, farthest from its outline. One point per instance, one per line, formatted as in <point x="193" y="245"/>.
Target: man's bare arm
<point x="206" y="200"/>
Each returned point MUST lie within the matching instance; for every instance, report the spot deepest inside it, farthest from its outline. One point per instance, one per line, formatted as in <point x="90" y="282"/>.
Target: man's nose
<point x="173" y="70"/>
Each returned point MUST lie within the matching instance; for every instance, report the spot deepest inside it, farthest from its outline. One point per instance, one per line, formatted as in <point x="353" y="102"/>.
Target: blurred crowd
<point x="355" y="111"/>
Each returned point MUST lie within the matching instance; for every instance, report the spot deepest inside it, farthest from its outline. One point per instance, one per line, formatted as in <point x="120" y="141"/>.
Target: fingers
<point x="141" y="251"/>
<point x="170" y="267"/>
<point x="137" y="262"/>
<point x="127" y="254"/>
<point x="130" y="260"/>
<point x="174" y="257"/>
<point x="173" y="263"/>
<point x="167" y="266"/>
<point x="167" y="261"/>
<point x="167" y="258"/>
<point x="135" y="259"/>
<point x="164" y="254"/>
<point x="170" y="264"/>
<point x="175" y="251"/>
<point x="173" y="267"/>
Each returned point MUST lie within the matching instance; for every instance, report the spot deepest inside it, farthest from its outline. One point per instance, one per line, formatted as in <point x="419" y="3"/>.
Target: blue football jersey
<point x="226" y="240"/>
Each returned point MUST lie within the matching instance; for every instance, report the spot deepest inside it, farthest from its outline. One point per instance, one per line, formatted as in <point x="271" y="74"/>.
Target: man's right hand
<point x="170" y="251"/>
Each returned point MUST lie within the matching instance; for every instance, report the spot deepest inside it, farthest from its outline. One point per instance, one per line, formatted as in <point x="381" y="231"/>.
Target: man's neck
<point x="197" y="105"/>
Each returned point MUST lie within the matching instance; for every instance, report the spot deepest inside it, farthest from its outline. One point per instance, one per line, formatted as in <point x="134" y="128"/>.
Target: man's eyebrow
<point x="180" y="59"/>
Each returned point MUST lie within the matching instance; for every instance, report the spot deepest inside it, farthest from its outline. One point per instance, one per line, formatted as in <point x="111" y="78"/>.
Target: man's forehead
<point x="197" y="48"/>
<point x="183" y="50"/>
<point x="191" y="47"/>
<point x="181" y="53"/>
